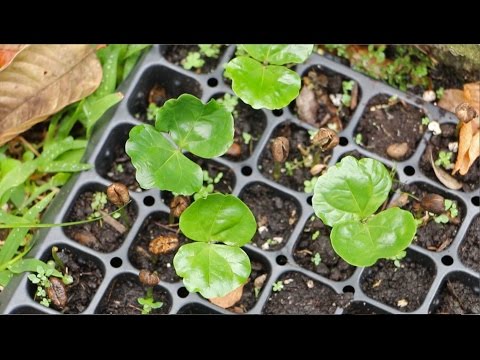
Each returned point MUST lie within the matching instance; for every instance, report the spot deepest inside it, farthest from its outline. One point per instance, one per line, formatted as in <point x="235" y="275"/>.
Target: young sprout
<point x="280" y="148"/>
<point x="149" y="280"/>
<point x="444" y="159"/>
<point x="347" y="87"/>
<point x="396" y="259"/>
<point x="425" y="121"/>
<point x="193" y="60"/>
<point x="309" y="185"/>
<point x="210" y="50"/>
<point x="230" y="102"/>
<point x="359" y="139"/>
<point x="316" y="259"/>
<point x="315" y="235"/>
<point x="98" y="203"/>
<point x="277" y="286"/>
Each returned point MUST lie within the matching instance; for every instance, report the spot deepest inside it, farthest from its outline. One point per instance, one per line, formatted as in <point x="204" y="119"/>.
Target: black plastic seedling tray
<point x="154" y="68"/>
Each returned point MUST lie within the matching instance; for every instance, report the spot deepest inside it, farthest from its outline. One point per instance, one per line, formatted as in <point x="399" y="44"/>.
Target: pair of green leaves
<point x="261" y="80"/>
<point x="207" y="267"/>
<point x="346" y="197"/>
<point x="204" y="130"/>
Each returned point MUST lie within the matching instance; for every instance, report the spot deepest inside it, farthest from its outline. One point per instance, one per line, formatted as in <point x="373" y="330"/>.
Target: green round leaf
<point x="351" y="190"/>
<point x="219" y="218"/>
<point x="262" y="86"/>
<point x="382" y="236"/>
<point x="279" y="54"/>
<point x="159" y="164"/>
<point x="213" y="270"/>
<point x="204" y="130"/>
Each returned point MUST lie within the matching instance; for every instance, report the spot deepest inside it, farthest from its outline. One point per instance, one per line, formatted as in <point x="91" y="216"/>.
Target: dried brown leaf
<point x="43" y="79"/>
<point x="8" y="53"/>
<point x="451" y="99"/>
<point x="472" y="95"/>
<point x="464" y="140"/>
<point x="230" y="299"/>
<point x="445" y="178"/>
<point x="307" y="105"/>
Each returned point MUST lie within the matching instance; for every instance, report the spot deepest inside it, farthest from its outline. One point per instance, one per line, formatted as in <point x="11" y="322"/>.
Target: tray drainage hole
<point x="278" y="112"/>
<point x="182" y="292"/>
<point x="148" y="200"/>
<point x="116" y="262"/>
<point x="212" y="82"/>
<point x="247" y="170"/>
<point x="409" y="170"/>
<point x="476" y="200"/>
<point x="348" y="289"/>
<point x="343" y="141"/>
<point x="447" y="260"/>
<point x="281" y="260"/>
<point x="309" y="200"/>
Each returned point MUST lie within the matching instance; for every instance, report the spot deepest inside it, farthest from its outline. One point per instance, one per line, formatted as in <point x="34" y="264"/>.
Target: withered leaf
<point x="230" y="299"/>
<point x="43" y="79"/>
<point x="8" y="53"/>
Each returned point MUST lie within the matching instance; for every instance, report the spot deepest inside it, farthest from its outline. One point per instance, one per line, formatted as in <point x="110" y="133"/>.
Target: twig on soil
<point x="29" y="146"/>
<point x="113" y="223"/>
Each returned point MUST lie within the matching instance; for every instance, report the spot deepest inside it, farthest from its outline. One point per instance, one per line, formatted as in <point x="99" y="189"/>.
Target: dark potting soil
<point x="27" y="310"/>
<point x="469" y="250"/>
<point x="121" y="169"/>
<point x="155" y="225"/>
<point x="471" y="180"/>
<point x="432" y="236"/>
<point x="246" y="121"/>
<point x="403" y="288"/>
<point x="122" y="296"/>
<point x="330" y="265"/>
<point x="276" y="215"/>
<point x="362" y="308"/>
<point x="395" y="124"/>
<point x="297" y="136"/>
<point x="224" y="186"/>
<point x="176" y="53"/>
<point x="196" y="309"/>
<point x="325" y="83"/>
<point x="303" y="296"/>
<point x="97" y="235"/>
<point x="87" y="277"/>
<point x="458" y="298"/>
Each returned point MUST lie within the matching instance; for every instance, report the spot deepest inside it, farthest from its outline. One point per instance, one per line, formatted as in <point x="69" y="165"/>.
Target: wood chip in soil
<point x="393" y="286"/>
<point x="275" y="214"/>
<point x="458" y="298"/>
<point x="97" y="235"/>
<point x="395" y="124"/>
<point x="297" y="298"/>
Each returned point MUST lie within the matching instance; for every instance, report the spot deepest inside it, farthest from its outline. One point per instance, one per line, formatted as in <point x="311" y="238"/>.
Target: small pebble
<point x="434" y="127"/>
<point x="402" y="303"/>
<point x="429" y="96"/>
<point x="310" y="284"/>
<point x="287" y="281"/>
<point x="453" y="146"/>
<point x="336" y="99"/>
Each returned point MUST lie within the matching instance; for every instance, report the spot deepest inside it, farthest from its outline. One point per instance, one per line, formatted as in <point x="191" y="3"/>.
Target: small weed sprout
<point x="316" y="259"/>
<point x="396" y="259"/>
<point x="359" y="139"/>
<point x="309" y="185"/>
<point x="149" y="279"/>
<point x="347" y="87"/>
<point x="98" y="204"/>
<point x="277" y="286"/>
<point x="315" y="235"/>
<point x="425" y="121"/>
<point x="444" y="159"/>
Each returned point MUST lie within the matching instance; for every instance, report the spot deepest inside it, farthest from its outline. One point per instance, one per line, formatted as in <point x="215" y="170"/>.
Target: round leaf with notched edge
<point x="262" y="86"/>
<point x="279" y="54"/>
<point x="382" y="236"/>
<point x="159" y="164"/>
<point x="219" y="218"/>
<point x="351" y="190"/>
<point x="213" y="270"/>
<point x="204" y="130"/>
